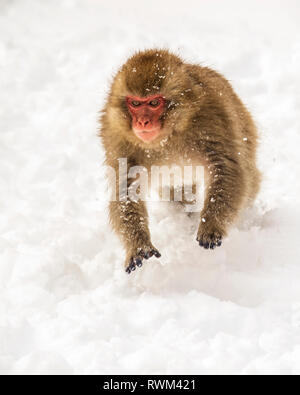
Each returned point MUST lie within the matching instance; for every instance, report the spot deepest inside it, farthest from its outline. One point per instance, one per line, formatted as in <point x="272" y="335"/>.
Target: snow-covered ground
<point x="66" y="304"/>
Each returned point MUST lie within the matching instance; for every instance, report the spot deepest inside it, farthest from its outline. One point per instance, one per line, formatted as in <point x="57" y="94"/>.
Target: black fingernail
<point x="147" y="255"/>
<point x="157" y="254"/>
<point x="206" y="246"/>
<point x="138" y="262"/>
<point x="219" y="243"/>
<point x="212" y="246"/>
<point x="201" y="243"/>
<point x="128" y="270"/>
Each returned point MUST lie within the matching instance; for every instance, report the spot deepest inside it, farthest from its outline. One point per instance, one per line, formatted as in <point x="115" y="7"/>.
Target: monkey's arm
<point x="129" y="219"/>
<point x="224" y="196"/>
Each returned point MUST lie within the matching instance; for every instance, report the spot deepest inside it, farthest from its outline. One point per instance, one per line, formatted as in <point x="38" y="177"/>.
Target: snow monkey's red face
<point x="146" y="114"/>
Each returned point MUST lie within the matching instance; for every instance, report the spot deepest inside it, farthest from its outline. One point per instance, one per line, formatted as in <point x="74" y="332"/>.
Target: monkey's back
<point x="242" y="136"/>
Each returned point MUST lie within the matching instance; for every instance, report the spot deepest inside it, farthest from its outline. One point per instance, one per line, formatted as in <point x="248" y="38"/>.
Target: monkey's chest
<point x="182" y="161"/>
<point x="176" y="170"/>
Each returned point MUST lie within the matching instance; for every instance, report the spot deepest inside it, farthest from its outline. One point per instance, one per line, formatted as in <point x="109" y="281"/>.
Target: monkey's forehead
<point x="154" y="58"/>
<point x="147" y="73"/>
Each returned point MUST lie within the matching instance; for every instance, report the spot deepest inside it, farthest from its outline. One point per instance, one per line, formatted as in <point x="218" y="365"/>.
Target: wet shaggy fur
<point x="204" y="123"/>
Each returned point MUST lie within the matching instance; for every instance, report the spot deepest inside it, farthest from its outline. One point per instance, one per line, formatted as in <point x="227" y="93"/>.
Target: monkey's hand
<point x="210" y="235"/>
<point x="136" y="257"/>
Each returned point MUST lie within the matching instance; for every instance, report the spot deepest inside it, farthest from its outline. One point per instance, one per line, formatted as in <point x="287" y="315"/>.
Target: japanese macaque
<point x="161" y="111"/>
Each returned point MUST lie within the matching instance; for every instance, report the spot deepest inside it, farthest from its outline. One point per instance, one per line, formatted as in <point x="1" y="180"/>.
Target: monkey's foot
<point x="209" y="238"/>
<point x="137" y="259"/>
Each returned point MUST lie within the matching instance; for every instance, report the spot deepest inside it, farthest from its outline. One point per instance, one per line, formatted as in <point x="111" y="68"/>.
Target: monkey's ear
<point x="119" y="89"/>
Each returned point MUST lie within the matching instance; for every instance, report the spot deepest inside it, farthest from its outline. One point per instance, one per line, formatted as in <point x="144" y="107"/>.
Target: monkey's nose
<point x="143" y="123"/>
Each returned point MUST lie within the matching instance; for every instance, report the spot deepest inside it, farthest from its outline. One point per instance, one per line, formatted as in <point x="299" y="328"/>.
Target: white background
<point x="66" y="305"/>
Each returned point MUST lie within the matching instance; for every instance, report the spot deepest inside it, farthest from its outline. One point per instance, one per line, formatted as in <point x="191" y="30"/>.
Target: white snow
<point x="66" y="305"/>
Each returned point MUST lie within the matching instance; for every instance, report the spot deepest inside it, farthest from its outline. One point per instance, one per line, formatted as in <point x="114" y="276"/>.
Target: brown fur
<point x="205" y="121"/>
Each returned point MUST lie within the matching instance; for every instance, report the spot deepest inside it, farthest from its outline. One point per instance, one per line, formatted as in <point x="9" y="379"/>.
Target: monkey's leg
<point x="223" y="200"/>
<point x="130" y="221"/>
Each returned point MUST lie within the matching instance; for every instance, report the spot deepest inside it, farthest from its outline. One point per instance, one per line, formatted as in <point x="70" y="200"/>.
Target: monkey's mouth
<point x="146" y="135"/>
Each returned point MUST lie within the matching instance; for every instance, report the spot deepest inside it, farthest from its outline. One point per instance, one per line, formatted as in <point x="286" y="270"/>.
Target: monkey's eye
<point x="154" y="103"/>
<point x="135" y="103"/>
